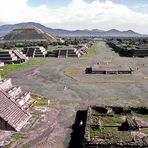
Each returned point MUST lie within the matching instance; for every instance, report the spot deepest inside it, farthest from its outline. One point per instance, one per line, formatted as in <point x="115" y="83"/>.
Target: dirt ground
<point x="71" y="95"/>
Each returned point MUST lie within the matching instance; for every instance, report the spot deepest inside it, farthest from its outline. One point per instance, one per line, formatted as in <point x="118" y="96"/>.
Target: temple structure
<point x="11" y="56"/>
<point x="14" y="110"/>
<point x="35" y="51"/>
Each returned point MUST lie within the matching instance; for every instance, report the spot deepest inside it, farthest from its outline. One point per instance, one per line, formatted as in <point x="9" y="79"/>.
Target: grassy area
<point x="70" y="72"/>
<point x="111" y="134"/>
<point x="39" y="101"/>
<point x="18" y="136"/>
<point x="106" y="120"/>
<point x="91" y="51"/>
<point x="51" y="47"/>
<point x="27" y="145"/>
<point x="12" y="67"/>
<point x="94" y="131"/>
<point x="111" y="120"/>
<point x="19" y="48"/>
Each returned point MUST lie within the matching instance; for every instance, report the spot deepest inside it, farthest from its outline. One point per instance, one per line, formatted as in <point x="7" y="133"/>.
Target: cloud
<point x="137" y="6"/>
<point x="78" y="14"/>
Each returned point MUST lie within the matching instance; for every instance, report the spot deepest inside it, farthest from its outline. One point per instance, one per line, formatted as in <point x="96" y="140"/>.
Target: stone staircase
<point x="12" y="56"/>
<point x="35" y="51"/>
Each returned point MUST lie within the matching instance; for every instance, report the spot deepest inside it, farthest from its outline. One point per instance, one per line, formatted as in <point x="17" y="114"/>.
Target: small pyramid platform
<point x="11" y="56"/>
<point x="14" y="110"/>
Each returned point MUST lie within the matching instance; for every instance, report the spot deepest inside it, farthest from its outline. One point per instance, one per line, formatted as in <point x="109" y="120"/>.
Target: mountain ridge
<point x="5" y="29"/>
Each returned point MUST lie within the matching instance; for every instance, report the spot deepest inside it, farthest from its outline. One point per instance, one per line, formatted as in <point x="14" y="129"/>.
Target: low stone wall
<point x="110" y="134"/>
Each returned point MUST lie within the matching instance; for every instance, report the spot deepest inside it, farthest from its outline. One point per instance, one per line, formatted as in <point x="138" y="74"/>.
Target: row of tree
<point x="9" y="45"/>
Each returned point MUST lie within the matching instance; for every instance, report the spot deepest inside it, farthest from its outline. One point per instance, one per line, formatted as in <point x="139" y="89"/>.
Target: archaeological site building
<point x="35" y="51"/>
<point x="108" y="69"/>
<point x="12" y="56"/>
<point x="14" y="106"/>
<point x="116" y="126"/>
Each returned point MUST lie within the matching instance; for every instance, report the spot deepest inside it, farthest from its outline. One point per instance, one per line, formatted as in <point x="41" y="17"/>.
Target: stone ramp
<point x="20" y="55"/>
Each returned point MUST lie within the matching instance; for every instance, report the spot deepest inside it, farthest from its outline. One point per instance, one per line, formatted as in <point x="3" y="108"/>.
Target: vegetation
<point x="111" y="120"/>
<point x="22" y="44"/>
<point x="27" y="145"/>
<point x="20" y="48"/>
<point x="90" y="51"/>
<point x="70" y="72"/>
<point x="12" y="67"/>
<point x="95" y="131"/>
<point x="51" y="47"/>
<point x="18" y="136"/>
<point x="39" y="101"/>
<point x="111" y="134"/>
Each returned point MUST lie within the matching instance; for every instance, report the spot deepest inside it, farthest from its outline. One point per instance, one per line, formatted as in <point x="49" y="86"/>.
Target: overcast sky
<point x="78" y="14"/>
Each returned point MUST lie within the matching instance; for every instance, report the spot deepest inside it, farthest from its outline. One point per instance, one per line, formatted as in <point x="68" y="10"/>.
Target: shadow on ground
<point x="77" y="135"/>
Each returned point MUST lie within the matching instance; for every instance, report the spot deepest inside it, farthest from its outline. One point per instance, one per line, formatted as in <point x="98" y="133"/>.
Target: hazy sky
<point x="78" y="14"/>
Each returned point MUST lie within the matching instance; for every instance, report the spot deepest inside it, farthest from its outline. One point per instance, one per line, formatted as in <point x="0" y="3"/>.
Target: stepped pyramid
<point x="28" y="34"/>
<point x="12" y="56"/>
<point x="35" y="51"/>
<point x="14" y="110"/>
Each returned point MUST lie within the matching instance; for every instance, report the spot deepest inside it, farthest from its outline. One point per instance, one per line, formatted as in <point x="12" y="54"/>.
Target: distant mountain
<point x="5" y="29"/>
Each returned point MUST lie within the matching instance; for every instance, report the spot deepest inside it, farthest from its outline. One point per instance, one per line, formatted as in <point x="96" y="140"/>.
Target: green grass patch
<point x="112" y="135"/>
<point x="39" y="101"/>
<point x="19" y="136"/>
<point x="27" y="145"/>
<point x="12" y="67"/>
<point x="19" y="48"/>
<point x="111" y="120"/>
<point x="90" y="51"/>
<point x="70" y="72"/>
<point x="51" y="47"/>
<point x="95" y="131"/>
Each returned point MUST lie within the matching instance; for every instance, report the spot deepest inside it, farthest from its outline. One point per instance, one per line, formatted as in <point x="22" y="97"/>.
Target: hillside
<point x="61" y="32"/>
<point x="28" y="33"/>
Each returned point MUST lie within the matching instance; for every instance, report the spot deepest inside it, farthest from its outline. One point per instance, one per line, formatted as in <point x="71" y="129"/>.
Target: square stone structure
<point x="75" y="51"/>
<point x="116" y="127"/>
<point x="108" y="69"/>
